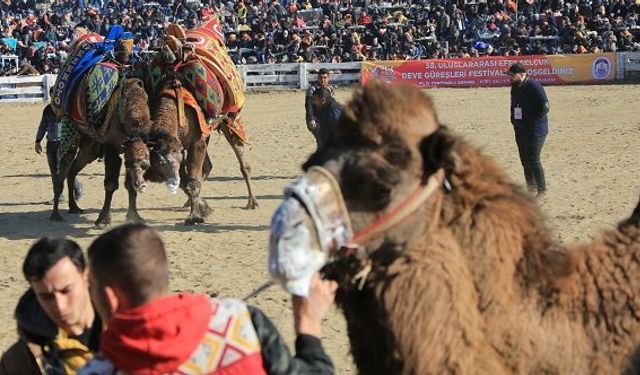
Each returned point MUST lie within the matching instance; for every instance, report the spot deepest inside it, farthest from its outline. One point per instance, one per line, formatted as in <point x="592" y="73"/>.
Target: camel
<point x="132" y="114"/>
<point x="451" y="268"/>
<point x="188" y="165"/>
<point x="177" y="60"/>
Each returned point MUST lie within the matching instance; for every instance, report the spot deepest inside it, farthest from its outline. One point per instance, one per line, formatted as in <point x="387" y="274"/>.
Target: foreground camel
<point x="131" y="115"/>
<point x="451" y="268"/>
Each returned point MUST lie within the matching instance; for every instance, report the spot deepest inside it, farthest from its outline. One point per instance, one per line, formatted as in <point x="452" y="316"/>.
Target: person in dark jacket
<point x="327" y="111"/>
<point x="57" y="326"/>
<point x="310" y="115"/>
<point x="152" y="331"/>
<point x="529" y="109"/>
<point x="49" y="126"/>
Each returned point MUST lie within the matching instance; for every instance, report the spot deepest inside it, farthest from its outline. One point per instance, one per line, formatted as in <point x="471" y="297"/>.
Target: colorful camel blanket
<point x="211" y="51"/>
<point x="87" y="51"/>
<point x="93" y="94"/>
<point x="204" y="86"/>
<point x="187" y="99"/>
<point x="236" y="126"/>
<point x="83" y="58"/>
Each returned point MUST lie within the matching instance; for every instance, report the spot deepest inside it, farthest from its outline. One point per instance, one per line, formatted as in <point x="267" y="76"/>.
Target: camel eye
<point x="367" y="183"/>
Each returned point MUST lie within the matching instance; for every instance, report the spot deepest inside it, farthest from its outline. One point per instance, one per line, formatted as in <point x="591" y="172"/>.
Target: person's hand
<point x="309" y="311"/>
<point x="38" y="148"/>
<point x="311" y="125"/>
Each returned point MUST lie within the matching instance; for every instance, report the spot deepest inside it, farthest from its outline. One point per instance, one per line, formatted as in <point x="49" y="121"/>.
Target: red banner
<point x="490" y="71"/>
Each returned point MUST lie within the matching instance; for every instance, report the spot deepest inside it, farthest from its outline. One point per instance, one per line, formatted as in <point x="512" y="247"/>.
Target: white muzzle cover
<point x="308" y="227"/>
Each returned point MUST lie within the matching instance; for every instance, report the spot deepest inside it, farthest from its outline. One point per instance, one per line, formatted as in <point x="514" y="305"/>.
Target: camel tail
<point x="636" y="212"/>
<point x="634" y="218"/>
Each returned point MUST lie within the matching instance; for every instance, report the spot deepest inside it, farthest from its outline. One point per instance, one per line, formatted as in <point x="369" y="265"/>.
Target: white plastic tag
<point x="517" y="113"/>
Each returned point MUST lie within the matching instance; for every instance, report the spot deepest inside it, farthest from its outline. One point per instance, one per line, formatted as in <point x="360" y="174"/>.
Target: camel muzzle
<point x="312" y="225"/>
<point x="173" y="184"/>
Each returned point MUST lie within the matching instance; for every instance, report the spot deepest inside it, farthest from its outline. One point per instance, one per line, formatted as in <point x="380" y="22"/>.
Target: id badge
<point x="517" y="113"/>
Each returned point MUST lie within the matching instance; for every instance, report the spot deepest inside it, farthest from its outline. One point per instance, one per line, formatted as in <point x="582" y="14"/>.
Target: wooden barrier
<point x="25" y="88"/>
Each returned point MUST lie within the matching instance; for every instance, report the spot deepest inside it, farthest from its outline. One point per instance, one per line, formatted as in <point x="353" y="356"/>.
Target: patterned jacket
<point x="238" y="339"/>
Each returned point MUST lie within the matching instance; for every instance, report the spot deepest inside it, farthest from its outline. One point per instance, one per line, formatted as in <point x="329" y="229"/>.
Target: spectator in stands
<point x="440" y="30"/>
<point x="529" y="108"/>
<point x="310" y="115"/>
<point x="57" y="326"/>
<point x="151" y="331"/>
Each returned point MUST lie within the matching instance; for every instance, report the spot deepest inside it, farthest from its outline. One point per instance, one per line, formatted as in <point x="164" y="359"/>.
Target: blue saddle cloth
<point x="86" y="56"/>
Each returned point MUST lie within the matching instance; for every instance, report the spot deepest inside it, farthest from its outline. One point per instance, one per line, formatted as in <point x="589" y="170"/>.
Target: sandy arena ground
<point x="591" y="159"/>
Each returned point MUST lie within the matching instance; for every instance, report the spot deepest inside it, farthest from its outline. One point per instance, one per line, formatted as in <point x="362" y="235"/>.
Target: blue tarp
<point x="11" y="42"/>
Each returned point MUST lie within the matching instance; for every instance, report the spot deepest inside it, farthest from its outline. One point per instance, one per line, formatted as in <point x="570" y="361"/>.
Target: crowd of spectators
<point x="276" y="31"/>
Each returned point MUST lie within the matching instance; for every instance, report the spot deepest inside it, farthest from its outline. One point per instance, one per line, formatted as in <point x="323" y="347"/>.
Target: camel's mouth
<point x="309" y="226"/>
<point x="173" y="184"/>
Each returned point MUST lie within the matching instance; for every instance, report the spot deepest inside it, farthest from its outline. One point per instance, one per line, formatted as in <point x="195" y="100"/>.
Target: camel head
<point x="375" y="185"/>
<point x="135" y="113"/>
<point x="167" y="155"/>
<point x="136" y="160"/>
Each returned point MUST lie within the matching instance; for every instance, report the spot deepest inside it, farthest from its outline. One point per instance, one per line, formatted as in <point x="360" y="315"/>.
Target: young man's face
<point x="324" y="80"/>
<point x="64" y="295"/>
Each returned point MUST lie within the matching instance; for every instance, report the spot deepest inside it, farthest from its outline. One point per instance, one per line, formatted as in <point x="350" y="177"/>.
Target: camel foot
<point x="103" y="221"/>
<point x="252" y="204"/>
<point x="134" y="217"/>
<point x="75" y="210"/>
<point x="193" y="220"/>
<point x="55" y="216"/>
<point x="204" y="208"/>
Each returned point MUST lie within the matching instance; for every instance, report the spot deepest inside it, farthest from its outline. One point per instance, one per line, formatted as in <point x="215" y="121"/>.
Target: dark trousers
<point x="529" y="148"/>
<point x="52" y="159"/>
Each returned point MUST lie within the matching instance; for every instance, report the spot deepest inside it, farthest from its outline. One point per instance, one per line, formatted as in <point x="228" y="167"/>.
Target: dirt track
<point x="591" y="159"/>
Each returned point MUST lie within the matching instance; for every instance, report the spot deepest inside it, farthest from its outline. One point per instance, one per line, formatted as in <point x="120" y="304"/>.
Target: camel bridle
<point x="320" y="195"/>
<point x="391" y="219"/>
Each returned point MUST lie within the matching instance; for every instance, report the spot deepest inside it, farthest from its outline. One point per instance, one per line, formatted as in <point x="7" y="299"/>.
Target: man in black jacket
<point x="327" y="111"/>
<point x="529" y="108"/>
<point x="310" y="113"/>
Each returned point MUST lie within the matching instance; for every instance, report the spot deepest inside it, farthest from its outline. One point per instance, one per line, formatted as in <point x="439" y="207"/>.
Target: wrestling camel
<point x="444" y="264"/>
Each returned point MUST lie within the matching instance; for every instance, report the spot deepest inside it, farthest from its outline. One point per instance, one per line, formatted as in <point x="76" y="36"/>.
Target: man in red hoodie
<point x="150" y="331"/>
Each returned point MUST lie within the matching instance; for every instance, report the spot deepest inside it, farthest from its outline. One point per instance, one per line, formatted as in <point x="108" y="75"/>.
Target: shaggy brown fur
<point x="190" y="138"/>
<point x="131" y="115"/>
<point x="472" y="282"/>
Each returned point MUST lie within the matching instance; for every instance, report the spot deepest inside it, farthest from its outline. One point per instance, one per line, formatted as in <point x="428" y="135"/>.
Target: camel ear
<point x="437" y="152"/>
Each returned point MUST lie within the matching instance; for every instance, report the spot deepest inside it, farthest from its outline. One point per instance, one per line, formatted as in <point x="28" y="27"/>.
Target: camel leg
<point x="245" y="167"/>
<point x="193" y="183"/>
<point x="57" y="177"/>
<point x="89" y="151"/>
<point x="132" y="213"/>
<point x="112" y="164"/>
<point x="207" y="167"/>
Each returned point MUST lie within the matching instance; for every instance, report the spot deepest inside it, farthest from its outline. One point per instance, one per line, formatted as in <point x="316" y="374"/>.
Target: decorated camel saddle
<point x="205" y="72"/>
<point x="85" y="88"/>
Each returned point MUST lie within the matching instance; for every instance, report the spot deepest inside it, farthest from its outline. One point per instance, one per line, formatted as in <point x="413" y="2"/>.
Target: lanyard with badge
<point x="517" y="113"/>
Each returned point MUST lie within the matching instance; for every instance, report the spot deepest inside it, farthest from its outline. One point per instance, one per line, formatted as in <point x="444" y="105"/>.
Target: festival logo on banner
<point x="601" y="68"/>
